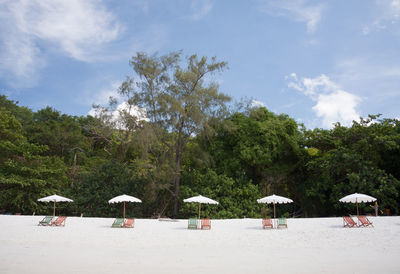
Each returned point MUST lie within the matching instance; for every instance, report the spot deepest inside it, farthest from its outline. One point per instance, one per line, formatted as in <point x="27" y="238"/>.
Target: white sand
<point x="90" y="245"/>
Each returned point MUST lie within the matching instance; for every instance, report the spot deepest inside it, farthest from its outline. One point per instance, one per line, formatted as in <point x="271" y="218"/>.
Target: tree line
<point x="179" y="136"/>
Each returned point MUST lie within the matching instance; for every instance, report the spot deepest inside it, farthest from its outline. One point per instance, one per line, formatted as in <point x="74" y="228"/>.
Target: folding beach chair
<point x="192" y="223"/>
<point x="118" y="222"/>
<point x="267" y="223"/>
<point x="364" y="222"/>
<point x="349" y="222"/>
<point x="60" y="221"/>
<point x="282" y="223"/>
<point x="46" y="221"/>
<point x="205" y="224"/>
<point x="129" y="223"/>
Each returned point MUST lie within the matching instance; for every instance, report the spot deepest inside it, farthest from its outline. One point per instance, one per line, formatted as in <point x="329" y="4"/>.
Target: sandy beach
<point x="90" y="245"/>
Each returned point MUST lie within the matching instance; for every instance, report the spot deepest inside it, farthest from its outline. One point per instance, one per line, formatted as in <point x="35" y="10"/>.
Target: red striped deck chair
<point x="60" y="221"/>
<point x="129" y="223"/>
<point x="205" y="224"/>
<point x="364" y="222"/>
<point x="349" y="222"/>
<point x="267" y="223"/>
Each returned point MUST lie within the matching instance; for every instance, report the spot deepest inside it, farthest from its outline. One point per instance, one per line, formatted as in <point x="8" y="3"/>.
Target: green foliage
<point x="61" y="133"/>
<point x="95" y="188"/>
<point x="237" y="198"/>
<point x="352" y="160"/>
<point x="262" y="146"/>
<point x="25" y="174"/>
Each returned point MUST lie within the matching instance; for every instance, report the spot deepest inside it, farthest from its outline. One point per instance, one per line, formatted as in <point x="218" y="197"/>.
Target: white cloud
<point x="339" y="106"/>
<point x="257" y="104"/>
<point x="21" y="58"/>
<point x="387" y="15"/>
<point x="116" y="114"/>
<point x="200" y="8"/>
<point x="332" y="103"/>
<point x="122" y="111"/>
<point x="75" y="27"/>
<point x="297" y="10"/>
<point x="376" y="78"/>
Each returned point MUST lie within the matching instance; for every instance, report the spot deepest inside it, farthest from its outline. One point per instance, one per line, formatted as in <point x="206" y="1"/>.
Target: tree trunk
<point x="177" y="175"/>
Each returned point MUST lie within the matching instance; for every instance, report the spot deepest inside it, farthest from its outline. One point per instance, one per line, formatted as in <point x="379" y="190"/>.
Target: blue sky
<point x="318" y="61"/>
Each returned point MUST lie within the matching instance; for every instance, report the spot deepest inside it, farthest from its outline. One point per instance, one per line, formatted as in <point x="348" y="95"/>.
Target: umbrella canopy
<point x="357" y="198"/>
<point x="201" y="200"/>
<point x="274" y="199"/>
<point x="54" y="198"/>
<point x="123" y="199"/>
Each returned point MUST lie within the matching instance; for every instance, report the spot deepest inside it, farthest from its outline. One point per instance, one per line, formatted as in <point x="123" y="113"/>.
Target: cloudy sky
<point x="318" y="61"/>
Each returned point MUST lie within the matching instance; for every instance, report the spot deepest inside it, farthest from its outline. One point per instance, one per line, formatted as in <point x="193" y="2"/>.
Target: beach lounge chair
<point x="118" y="222"/>
<point x="282" y="223"/>
<point x="192" y="224"/>
<point x="129" y="223"/>
<point x="349" y="222"/>
<point x="46" y="221"/>
<point x="205" y="224"/>
<point x="364" y="222"/>
<point x="60" y="221"/>
<point x="267" y="223"/>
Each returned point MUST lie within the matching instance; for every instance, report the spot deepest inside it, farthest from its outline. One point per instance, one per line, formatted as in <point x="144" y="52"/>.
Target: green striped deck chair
<point x="118" y="222"/>
<point x="282" y="223"/>
<point x="46" y="221"/>
<point x="192" y="224"/>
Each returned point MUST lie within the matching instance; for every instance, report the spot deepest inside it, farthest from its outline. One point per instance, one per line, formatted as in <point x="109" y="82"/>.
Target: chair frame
<point x="349" y="222"/>
<point x="60" y="221"/>
<point x="282" y="223"/>
<point x="205" y="223"/>
<point x="118" y="222"/>
<point x="191" y="225"/>
<point x="267" y="223"/>
<point x="129" y="223"/>
<point x="364" y="222"/>
<point x="46" y="223"/>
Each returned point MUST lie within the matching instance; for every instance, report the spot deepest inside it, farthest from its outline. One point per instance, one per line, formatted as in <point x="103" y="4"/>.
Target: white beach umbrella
<point x="357" y="198"/>
<point x="274" y="199"/>
<point x="123" y="199"/>
<point x="201" y="200"/>
<point x="54" y="198"/>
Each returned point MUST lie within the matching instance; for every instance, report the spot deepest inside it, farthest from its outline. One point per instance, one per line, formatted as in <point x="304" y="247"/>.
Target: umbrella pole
<point x="199" y="210"/>
<point x="124" y="212"/>
<point x="357" y="207"/>
<point x="274" y="211"/>
<point x="54" y="209"/>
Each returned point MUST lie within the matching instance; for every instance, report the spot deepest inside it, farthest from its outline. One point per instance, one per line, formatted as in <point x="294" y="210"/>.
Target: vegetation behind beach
<point x="186" y="139"/>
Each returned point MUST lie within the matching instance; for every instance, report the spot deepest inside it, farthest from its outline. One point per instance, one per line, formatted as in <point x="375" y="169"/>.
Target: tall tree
<point x="178" y="101"/>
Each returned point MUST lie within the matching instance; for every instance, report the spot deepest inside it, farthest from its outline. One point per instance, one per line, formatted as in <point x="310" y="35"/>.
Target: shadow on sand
<point x="256" y="228"/>
<point x="336" y="226"/>
<point x="183" y="228"/>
